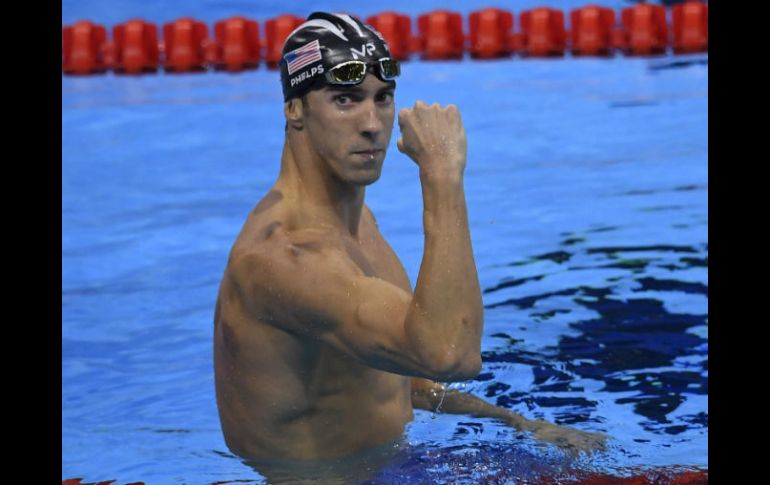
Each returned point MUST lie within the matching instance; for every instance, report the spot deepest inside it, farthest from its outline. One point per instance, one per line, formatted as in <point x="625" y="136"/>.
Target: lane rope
<point x="236" y="44"/>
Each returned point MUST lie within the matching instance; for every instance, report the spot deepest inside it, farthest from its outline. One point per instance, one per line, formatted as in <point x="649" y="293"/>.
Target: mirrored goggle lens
<point x="348" y="73"/>
<point x="389" y="69"/>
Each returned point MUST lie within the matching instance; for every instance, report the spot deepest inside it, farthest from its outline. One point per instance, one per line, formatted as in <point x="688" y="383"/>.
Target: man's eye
<point x="385" y="97"/>
<point x="343" y="99"/>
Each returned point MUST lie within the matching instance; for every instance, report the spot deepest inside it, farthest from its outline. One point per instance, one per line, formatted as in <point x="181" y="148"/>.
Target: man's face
<point x="350" y="128"/>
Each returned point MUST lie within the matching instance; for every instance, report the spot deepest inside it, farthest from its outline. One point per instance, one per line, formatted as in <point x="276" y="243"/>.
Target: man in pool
<point x="322" y="349"/>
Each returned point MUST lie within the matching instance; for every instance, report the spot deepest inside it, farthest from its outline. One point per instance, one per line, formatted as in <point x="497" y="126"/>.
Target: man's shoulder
<point x="286" y="262"/>
<point x="271" y="240"/>
<point x="273" y="235"/>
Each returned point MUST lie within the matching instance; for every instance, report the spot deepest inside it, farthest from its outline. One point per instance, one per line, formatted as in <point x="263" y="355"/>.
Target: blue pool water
<point x="587" y="187"/>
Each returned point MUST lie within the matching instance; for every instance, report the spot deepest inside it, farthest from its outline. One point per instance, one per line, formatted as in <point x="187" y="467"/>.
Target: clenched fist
<point x="434" y="137"/>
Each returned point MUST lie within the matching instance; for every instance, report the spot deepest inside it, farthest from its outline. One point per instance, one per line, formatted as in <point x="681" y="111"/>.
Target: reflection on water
<point x="403" y="463"/>
<point x="471" y="463"/>
<point x="647" y="355"/>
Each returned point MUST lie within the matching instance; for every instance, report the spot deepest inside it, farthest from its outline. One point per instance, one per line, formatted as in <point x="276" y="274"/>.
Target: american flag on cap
<point x="302" y="56"/>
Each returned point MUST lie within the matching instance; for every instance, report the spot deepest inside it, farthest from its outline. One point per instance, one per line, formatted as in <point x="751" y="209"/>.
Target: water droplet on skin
<point x="440" y="402"/>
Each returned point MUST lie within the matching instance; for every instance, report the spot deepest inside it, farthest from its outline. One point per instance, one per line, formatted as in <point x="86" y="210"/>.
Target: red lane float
<point x="396" y="29"/>
<point x="237" y="44"/>
<point x="645" y="30"/>
<point x="136" y="47"/>
<point x="276" y="32"/>
<point x="543" y="30"/>
<point x="592" y="28"/>
<point x="83" y="47"/>
<point x="184" y="45"/>
<point x="490" y="33"/>
<point x="441" y="35"/>
<point x="690" y="25"/>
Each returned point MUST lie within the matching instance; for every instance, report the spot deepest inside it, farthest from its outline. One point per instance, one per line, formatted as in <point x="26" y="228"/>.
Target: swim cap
<point x="324" y="41"/>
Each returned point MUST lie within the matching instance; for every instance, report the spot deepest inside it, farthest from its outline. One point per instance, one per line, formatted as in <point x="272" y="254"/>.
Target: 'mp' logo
<point x="366" y="50"/>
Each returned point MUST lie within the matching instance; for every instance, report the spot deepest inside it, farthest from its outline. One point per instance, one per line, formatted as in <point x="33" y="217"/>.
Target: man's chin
<point x="365" y="178"/>
<point x="365" y="175"/>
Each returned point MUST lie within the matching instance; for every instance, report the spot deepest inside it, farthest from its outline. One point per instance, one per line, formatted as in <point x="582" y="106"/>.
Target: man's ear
<point x="294" y="112"/>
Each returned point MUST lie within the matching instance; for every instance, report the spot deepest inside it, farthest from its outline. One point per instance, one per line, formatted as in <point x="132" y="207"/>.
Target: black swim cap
<point x="322" y="42"/>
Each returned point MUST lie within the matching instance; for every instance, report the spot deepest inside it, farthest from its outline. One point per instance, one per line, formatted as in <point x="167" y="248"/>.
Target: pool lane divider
<point x="235" y="44"/>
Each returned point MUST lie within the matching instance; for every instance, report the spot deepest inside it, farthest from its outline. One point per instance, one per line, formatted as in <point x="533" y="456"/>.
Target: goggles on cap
<point x="353" y="72"/>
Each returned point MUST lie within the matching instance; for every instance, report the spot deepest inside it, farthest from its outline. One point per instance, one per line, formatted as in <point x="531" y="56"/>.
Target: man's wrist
<point x="441" y="176"/>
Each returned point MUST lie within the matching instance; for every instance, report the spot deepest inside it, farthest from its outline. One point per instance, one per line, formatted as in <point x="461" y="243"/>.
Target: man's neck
<point x="321" y="198"/>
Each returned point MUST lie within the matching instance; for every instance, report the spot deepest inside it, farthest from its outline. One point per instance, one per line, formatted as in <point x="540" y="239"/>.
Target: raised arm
<point x="309" y="283"/>
<point x="446" y="314"/>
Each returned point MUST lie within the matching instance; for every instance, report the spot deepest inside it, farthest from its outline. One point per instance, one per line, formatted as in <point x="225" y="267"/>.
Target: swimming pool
<point x="587" y="187"/>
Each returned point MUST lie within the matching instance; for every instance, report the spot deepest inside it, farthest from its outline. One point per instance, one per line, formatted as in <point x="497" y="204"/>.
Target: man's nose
<point x="370" y="123"/>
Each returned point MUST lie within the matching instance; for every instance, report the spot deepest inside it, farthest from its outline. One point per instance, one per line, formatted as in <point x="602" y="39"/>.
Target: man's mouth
<point x="369" y="155"/>
<point x="372" y="152"/>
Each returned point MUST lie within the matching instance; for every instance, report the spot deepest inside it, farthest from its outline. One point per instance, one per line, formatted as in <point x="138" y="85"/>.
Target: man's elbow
<point x="470" y="368"/>
<point x="457" y="369"/>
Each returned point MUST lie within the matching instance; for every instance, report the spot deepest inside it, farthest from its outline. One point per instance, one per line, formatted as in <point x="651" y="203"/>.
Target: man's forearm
<point x="446" y="316"/>
<point x="456" y="402"/>
<point x="439" y="399"/>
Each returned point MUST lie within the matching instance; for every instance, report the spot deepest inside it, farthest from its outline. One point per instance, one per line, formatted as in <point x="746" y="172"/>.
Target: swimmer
<point x="322" y="347"/>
